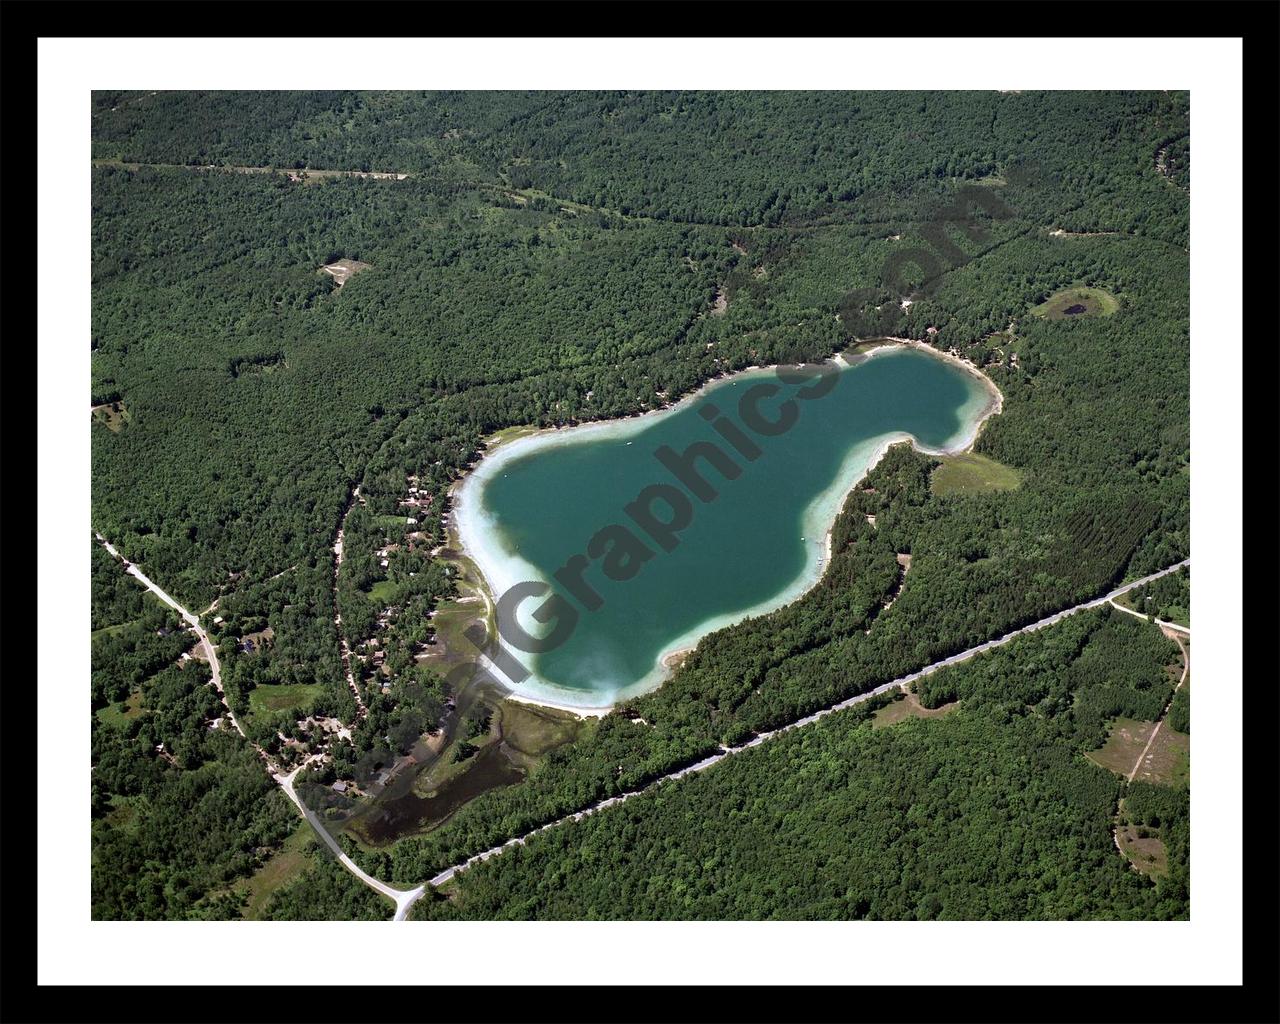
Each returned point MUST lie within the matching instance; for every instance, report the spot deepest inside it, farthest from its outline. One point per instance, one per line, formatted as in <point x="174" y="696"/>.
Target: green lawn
<point x="266" y="699"/>
<point x="118" y="714"/>
<point x="1172" y="612"/>
<point x="1095" y="302"/>
<point x="384" y="592"/>
<point x="969" y="472"/>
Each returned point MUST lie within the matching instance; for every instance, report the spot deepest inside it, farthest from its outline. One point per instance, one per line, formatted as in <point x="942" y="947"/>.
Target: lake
<point x="635" y="545"/>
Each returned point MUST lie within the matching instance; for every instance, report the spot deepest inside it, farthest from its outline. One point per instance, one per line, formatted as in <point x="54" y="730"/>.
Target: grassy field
<point x="269" y="698"/>
<point x="1123" y="745"/>
<point x="453" y="617"/>
<point x="1168" y="762"/>
<point x="1092" y="302"/>
<point x="1147" y="854"/>
<point x="118" y="714"/>
<point x="533" y="731"/>
<point x="908" y="706"/>
<point x="509" y="434"/>
<point x="968" y="472"/>
<point x="384" y="592"/>
<point x="111" y="630"/>
<point x="113" y="416"/>
<point x="289" y="863"/>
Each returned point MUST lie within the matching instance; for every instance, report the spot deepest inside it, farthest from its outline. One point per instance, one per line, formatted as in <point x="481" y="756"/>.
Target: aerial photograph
<point x="648" y="505"/>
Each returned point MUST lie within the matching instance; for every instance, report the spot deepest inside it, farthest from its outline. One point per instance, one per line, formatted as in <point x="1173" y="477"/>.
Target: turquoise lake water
<point x="760" y="542"/>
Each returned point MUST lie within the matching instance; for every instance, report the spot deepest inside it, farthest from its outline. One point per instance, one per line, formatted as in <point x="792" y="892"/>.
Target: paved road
<point x="724" y="752"/>
<point x="404" y="899"/>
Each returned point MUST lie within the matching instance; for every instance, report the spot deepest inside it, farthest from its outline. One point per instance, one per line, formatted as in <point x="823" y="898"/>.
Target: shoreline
<point x="521" y="435"/>
<point x="668" y="660"/>
<point x="577" y="710"/>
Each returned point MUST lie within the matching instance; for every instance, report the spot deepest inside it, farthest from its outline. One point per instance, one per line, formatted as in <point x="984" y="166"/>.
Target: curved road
<point x="724" y="752"/>
<point x="1159" y="622"/>
<point x="404" y="899"/>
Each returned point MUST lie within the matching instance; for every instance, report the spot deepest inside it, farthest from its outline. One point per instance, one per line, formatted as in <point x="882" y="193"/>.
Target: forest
<point x="552" y="259"/>
<point x="1167" y="598"/>
<point x="989" y="812"/>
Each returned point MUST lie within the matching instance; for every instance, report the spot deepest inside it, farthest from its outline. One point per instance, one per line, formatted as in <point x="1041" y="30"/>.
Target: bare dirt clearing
<point x="344" y="270"/>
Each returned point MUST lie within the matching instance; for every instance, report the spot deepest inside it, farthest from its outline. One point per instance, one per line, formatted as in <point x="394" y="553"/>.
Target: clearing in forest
<point x="342" y="270"/>
<point x="113" y="416"/>
<point x="908" y="706"/>
<point x="1144" y="850"/>
<point x="123" y="712"/>
<point x="1077" y="302"/>
<point x="533" y="731"/>
<point x="285" y="866"/>
<point x="1168" y="762"/>
<point x="269" y="697"/>
<point x="1125" y="743"/>
<point x="969" y="472"/>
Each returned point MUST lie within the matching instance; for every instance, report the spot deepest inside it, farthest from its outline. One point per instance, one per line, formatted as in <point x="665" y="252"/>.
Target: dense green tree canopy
<point x="553" y="258"/>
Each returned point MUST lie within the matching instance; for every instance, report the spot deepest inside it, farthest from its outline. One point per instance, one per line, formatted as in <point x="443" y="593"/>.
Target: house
<point x="339" y="786"/>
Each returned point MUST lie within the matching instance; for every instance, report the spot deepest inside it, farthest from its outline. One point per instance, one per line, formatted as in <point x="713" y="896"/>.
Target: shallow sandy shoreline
<point x="573" y="709"/>
<point x="509" y="447"/>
